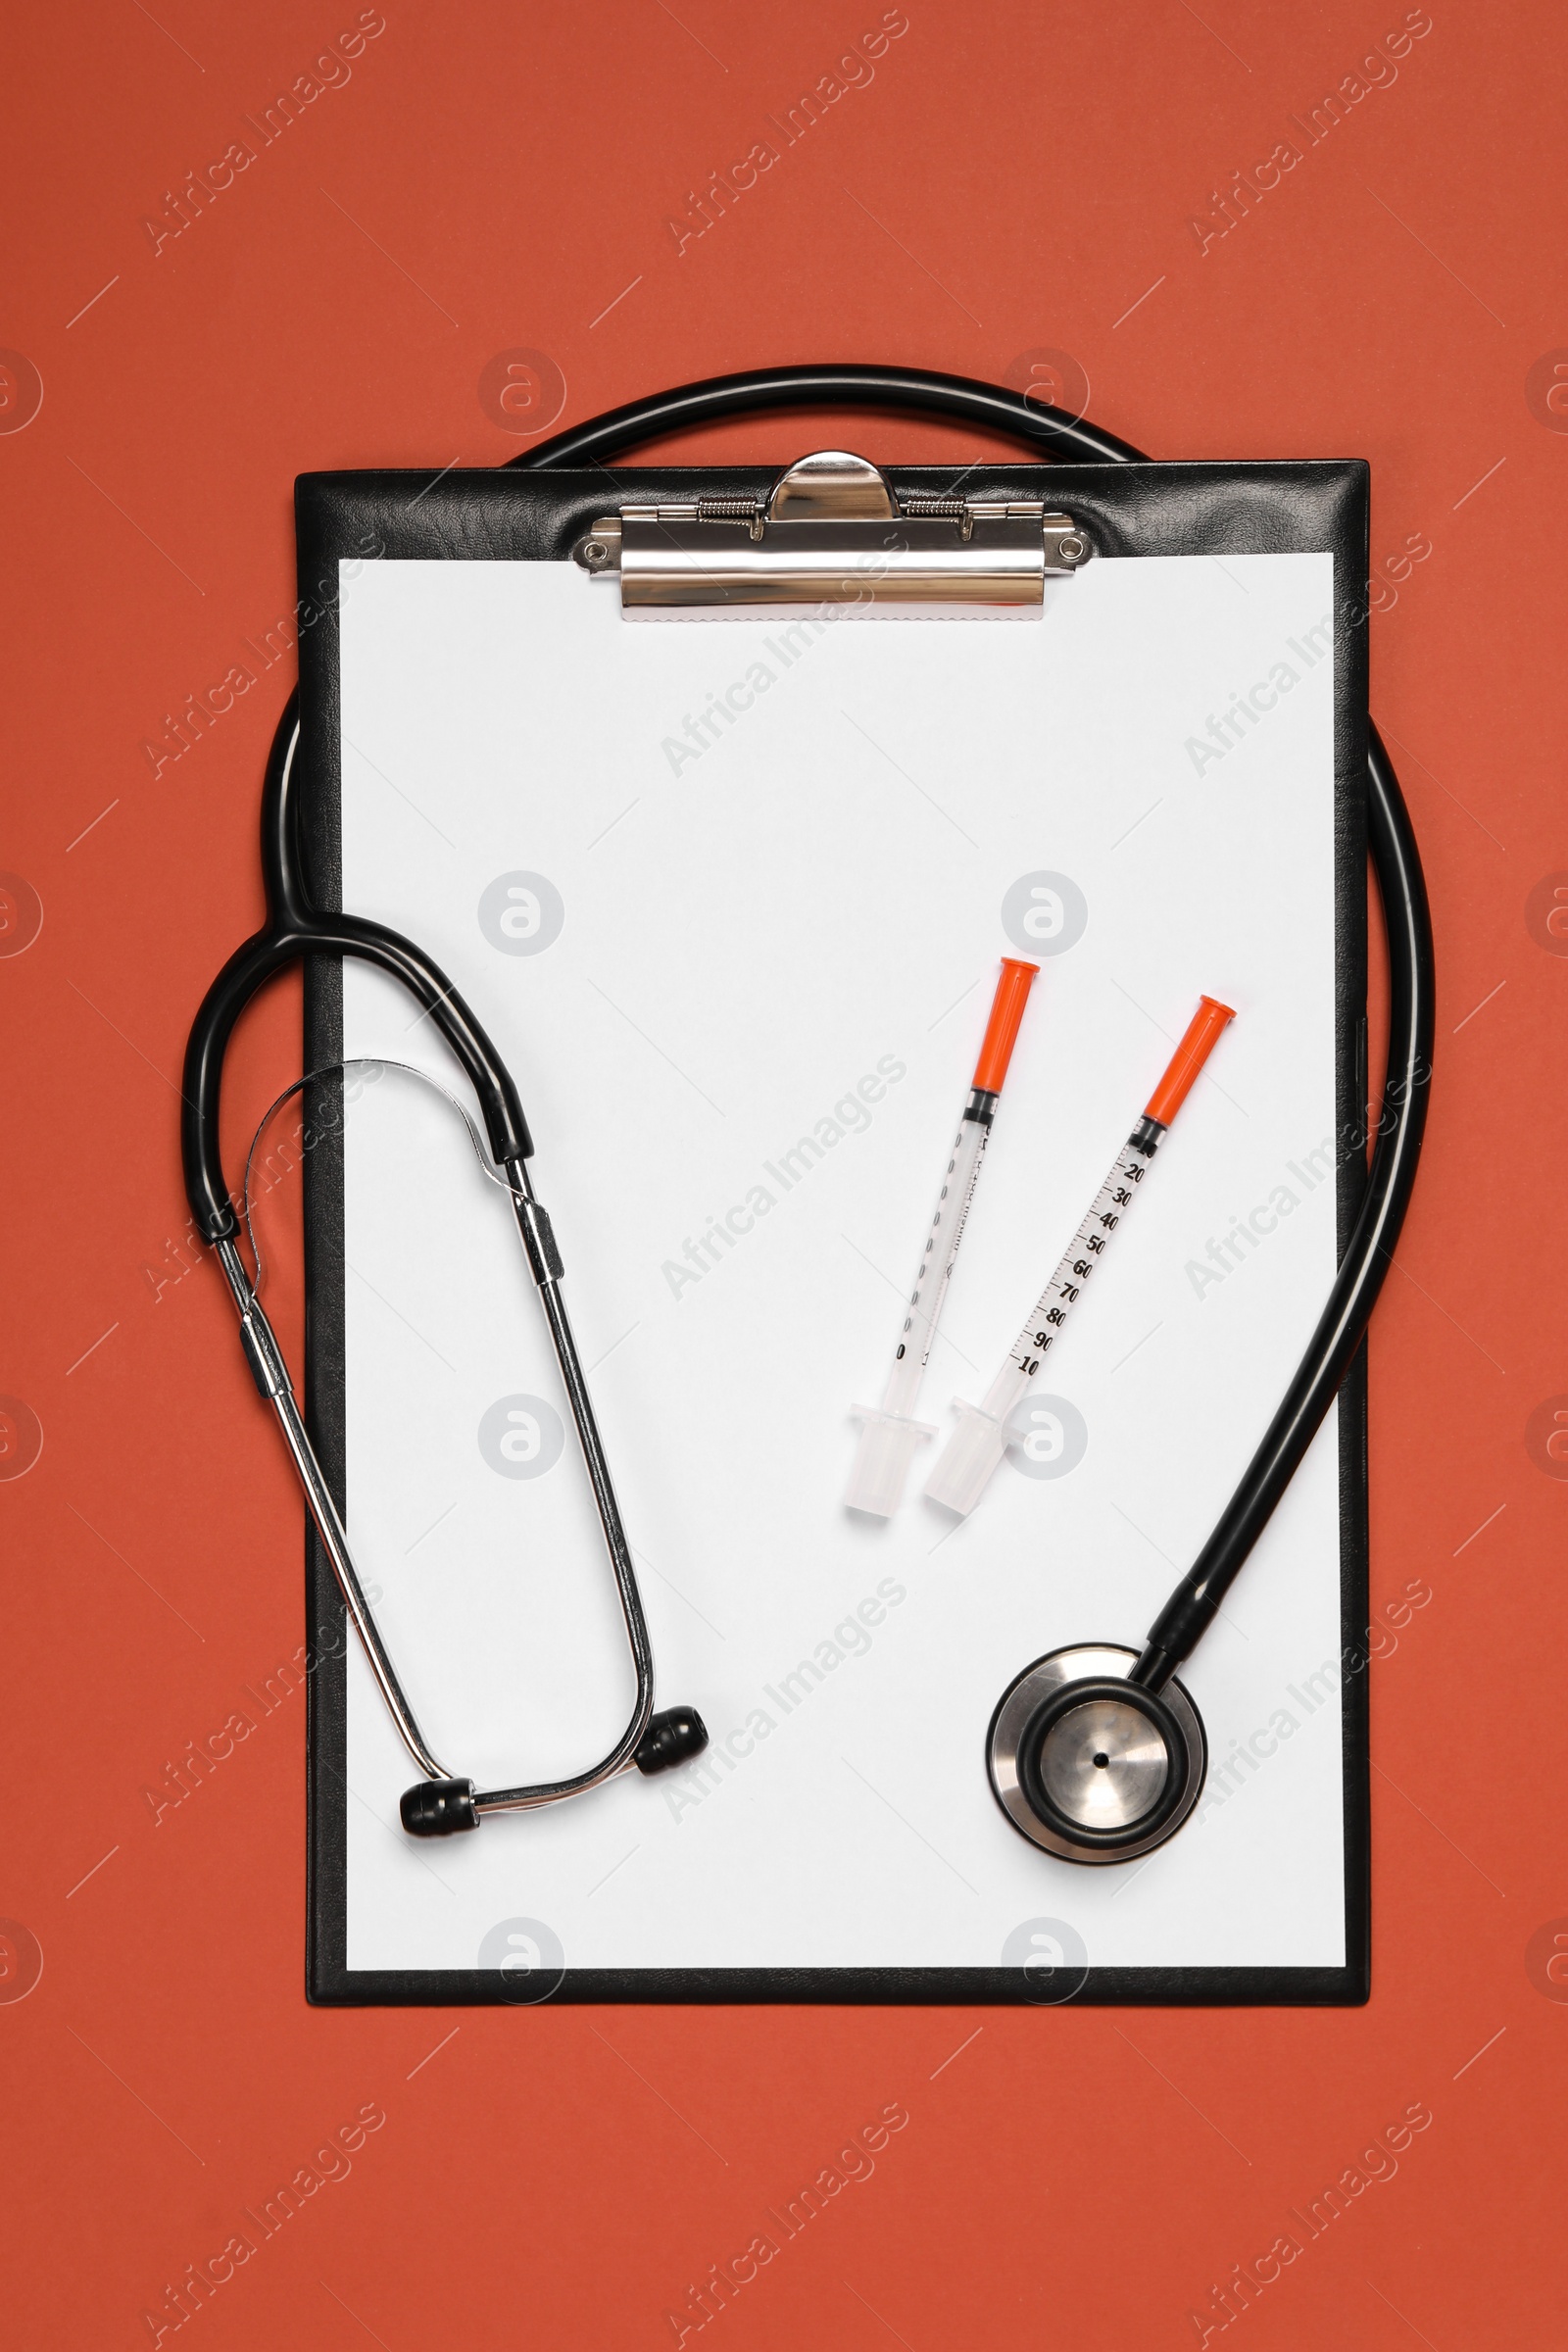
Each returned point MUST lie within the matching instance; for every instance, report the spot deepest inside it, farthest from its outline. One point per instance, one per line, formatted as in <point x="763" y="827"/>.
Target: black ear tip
<point x="671" y="1738"/>
<point x="436" y="1808"/>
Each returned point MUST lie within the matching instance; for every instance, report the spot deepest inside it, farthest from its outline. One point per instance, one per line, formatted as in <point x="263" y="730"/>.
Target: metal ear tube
<point x="441" y="1804"/>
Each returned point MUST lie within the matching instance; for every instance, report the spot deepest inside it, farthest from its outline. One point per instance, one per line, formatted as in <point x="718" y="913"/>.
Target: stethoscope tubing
<point x="292" y="930"/>
<point x="1368" y="1253"/>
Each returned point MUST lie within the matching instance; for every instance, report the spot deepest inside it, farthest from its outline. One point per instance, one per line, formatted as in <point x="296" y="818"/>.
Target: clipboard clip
<point x="832" y="532"/>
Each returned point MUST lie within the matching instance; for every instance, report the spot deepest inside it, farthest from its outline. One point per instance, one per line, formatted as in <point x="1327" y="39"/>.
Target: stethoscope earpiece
<point x="1090" y="1765"/>
<point x="438" y="1808"/>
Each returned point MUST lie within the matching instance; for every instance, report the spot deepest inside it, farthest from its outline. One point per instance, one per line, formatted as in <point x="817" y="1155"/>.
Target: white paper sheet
<point x="792" y="933"/>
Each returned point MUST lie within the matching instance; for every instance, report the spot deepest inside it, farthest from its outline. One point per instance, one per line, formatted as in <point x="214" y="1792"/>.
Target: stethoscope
<point x="1095" y="1752"/>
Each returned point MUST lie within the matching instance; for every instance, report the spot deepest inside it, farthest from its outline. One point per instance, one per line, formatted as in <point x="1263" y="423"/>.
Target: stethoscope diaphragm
<point x="1090" y="1765"/>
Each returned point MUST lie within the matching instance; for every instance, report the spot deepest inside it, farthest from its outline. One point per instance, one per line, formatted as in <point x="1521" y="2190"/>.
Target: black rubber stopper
<point x="671" y="1738"/>
<point x="1119" y="1693"/>
<point x="438" y="1808"/>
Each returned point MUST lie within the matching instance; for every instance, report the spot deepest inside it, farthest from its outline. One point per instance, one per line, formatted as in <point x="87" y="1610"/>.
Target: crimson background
<point x="1014" y="176"/>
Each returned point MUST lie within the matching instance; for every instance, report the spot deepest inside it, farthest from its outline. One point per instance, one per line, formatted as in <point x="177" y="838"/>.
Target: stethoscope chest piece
<point x="1090" y="1766"/>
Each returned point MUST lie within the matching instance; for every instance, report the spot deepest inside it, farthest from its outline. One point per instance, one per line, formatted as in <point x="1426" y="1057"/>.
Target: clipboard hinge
<point x="832" y="532"/>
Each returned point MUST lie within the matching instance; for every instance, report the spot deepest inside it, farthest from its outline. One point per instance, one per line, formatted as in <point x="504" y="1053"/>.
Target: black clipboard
<point x="1150" y="509"/>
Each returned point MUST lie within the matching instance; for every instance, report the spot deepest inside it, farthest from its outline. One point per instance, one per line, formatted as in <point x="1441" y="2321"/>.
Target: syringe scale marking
<point x="1045" y="1325"/>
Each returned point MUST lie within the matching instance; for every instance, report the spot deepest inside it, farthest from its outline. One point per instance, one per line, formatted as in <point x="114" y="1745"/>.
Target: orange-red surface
<point x="997" y="182"/>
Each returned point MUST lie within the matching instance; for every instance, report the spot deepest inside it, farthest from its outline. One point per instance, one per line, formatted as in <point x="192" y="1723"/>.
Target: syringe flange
<point x="888" y="1442"/>
<point x="969" y="1459"/>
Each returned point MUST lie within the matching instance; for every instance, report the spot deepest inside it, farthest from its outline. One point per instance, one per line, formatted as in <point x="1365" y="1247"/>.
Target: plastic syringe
<point x="966" y="1466"/>
<point x="889" y="1433"/>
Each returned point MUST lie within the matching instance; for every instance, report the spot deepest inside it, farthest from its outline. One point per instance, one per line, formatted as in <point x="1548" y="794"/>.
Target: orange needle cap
<point x="1002" y="1030"/>
<point x="1203" y="1033"/>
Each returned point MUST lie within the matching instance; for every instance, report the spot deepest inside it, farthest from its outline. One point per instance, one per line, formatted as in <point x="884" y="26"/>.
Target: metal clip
<point x="832" y="534"/>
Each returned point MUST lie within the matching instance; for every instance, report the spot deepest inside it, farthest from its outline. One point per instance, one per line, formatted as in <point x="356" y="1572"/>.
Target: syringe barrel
<point x="967" y="1463"/>
<point x="943" y="1236"/>
<point x="1050" y="1309"/>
